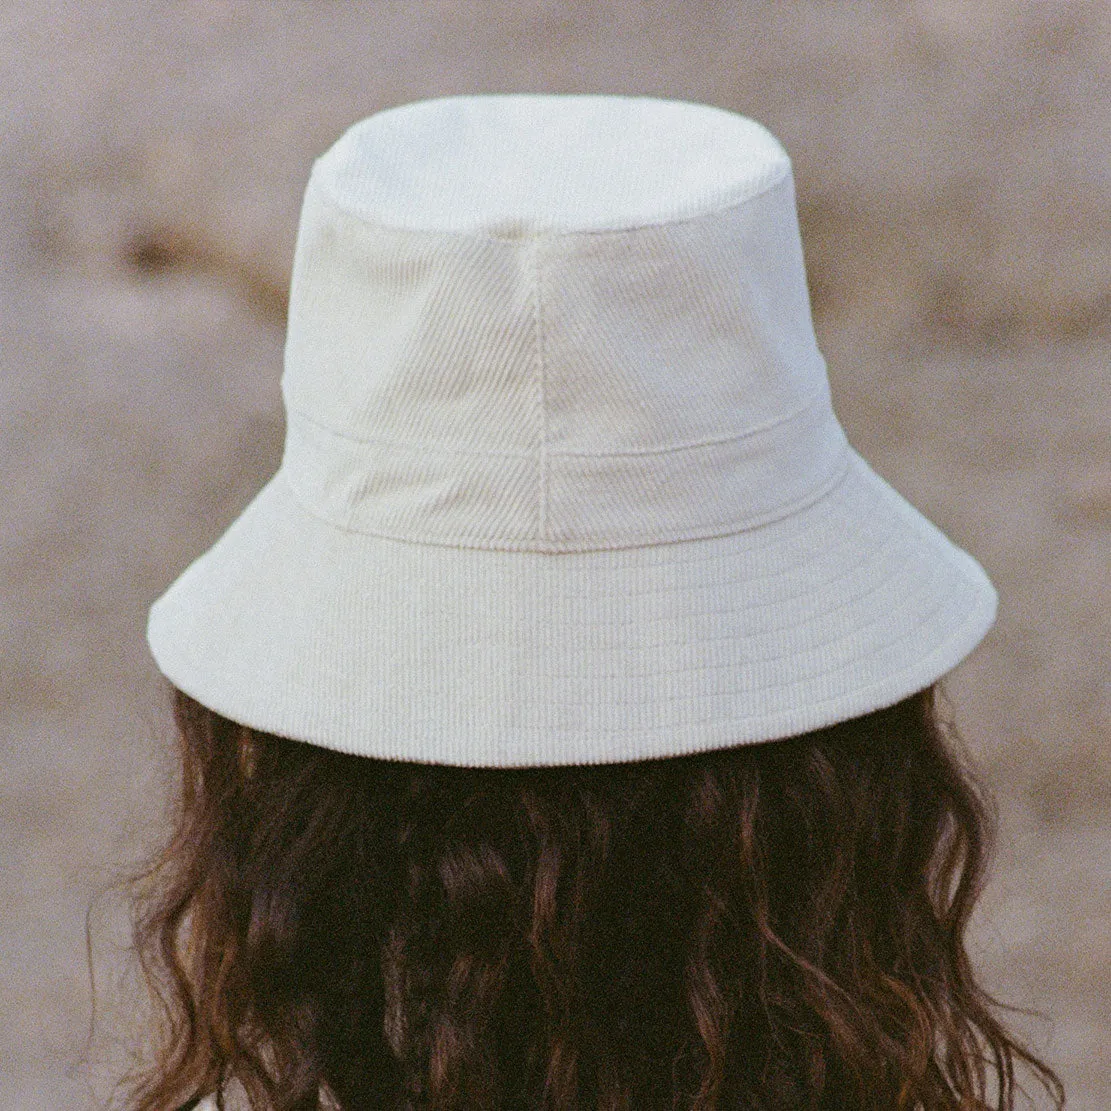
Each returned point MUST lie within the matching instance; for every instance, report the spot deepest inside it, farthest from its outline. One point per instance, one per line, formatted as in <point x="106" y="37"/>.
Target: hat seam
<point x="888" y="554"/>
<point x="975" y="617"/>
<point x="544" y="476"/>
<point x="851" y="602"/>
<point x="328" y="194"/>
<point x="825" y="488"/>
<point x="816" y="398"/>
<point x="845" y="543"/>
<point x="825" y="492"/>
<point x="903" y="634"/>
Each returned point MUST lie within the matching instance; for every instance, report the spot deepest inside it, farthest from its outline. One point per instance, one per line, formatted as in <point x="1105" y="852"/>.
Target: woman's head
<point x="765" y="926"/>
<point x="566" y="547"/>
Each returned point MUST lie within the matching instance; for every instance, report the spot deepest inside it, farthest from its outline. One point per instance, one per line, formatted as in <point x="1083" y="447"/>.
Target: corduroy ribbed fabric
<point x="562" y="480"/>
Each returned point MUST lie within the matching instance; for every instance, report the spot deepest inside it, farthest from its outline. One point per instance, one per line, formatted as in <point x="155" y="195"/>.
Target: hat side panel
<point x="411" y="338"/>
<point x="678" y="334"/>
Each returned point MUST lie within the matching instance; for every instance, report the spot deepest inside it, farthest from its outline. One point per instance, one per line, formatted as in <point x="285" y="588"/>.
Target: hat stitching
<point x="818" y="397"/>
<point x="826" y="496"/>
<point x="769" y="683"/>
<point x="817" y="587"/>
<point x="542" y="455"/>
<point x="723" y="578"/>
<point x="903" y="634"/>
<point x="518" y="544"/>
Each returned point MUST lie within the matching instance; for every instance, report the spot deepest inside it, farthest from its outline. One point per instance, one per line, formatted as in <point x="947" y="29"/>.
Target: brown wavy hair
<point x="766" y="927"/>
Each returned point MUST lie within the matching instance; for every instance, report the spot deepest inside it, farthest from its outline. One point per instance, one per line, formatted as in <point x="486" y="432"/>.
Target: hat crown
<point x="554" y="323"/>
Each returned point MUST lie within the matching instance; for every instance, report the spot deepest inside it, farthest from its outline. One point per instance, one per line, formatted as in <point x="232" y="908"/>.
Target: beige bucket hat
<point x="562" y="480"/>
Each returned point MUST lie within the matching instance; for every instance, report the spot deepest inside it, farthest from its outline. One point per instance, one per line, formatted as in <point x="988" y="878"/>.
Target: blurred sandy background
<point x="952" y="162"/>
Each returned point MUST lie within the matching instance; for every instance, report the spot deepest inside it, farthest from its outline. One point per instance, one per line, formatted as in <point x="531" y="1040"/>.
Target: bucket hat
<point x="562" y="480"/>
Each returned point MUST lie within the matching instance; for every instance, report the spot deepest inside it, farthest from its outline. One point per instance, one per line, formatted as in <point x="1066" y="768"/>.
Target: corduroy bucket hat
<point x="562" y="480"/>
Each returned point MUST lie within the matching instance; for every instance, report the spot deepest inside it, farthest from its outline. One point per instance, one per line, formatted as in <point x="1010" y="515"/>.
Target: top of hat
<point x="497" y="165"/>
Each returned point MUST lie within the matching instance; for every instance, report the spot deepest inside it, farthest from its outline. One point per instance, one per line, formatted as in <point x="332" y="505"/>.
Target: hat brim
<point x="479" y="657"/>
